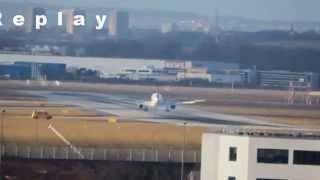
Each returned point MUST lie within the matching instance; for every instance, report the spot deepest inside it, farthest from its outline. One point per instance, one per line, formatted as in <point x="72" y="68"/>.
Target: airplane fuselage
<point x="158" y="103"/>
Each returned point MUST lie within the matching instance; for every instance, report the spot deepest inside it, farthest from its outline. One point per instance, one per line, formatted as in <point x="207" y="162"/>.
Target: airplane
<point x="157" y="102"/>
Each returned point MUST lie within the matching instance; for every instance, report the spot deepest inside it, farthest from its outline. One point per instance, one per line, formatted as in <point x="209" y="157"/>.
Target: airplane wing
<point x="193" y="101"/>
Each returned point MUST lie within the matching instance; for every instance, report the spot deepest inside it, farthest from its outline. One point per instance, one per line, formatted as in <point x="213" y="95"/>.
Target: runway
<point x="125" y="107"/>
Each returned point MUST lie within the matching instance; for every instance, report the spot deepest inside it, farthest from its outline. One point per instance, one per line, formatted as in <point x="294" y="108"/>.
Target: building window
<point x="275" y="156"/>
<point x="232" y="154"/>
<point x="231" y="178"/>
<point x="306" y="157"/>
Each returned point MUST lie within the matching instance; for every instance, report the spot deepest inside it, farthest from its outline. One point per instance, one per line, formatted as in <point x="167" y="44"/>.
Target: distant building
<point x="41" y="50"/>
<point x="215" y="65"/>
<point x="221" y="73"/>
<point x="68" y="19"/>
<point x="118" y="24"/>
<point x="31" y="13"/>
<point x="227" y="77"/>
<point x="168" y="27"/>
<point x="171" y="71"/>
<point x="174" y="67"/>
<point x="15" y="71"/>
<point x="248" y="77"/>
<point x="242" y="77"/>
<point x="194" y="74"/>
<point x="242" y="157"/>
<point x="193" y="26"/>
<point x="282" y="79"/>
<point x="47" y="71"/>
<point x="80" y="29"/>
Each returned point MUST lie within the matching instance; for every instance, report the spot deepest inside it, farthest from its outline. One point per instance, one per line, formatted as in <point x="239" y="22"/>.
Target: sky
<point x="288" y="10"/>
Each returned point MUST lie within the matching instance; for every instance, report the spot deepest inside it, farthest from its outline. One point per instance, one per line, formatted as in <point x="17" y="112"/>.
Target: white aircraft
<point x="157" y="102"/>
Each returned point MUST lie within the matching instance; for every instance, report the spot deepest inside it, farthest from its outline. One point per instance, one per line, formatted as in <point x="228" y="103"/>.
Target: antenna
<point x="158" y="91"/>
<point x="217" y="18"/>
<point x="157" y="86"/>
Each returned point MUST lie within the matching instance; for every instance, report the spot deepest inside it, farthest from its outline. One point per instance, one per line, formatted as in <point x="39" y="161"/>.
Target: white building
<point x="235" y="157"/>
<point x="195" y="74"/>
<point x="282" y="79"/>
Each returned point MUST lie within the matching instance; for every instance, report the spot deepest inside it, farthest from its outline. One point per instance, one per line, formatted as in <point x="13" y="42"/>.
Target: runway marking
<point x="68" y="143"/>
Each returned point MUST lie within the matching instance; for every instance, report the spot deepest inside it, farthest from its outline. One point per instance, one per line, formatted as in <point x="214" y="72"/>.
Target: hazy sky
<point x="260" y="9"/>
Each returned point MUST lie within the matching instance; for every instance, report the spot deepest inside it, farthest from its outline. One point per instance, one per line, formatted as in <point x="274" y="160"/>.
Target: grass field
<point x="86" y="128"/>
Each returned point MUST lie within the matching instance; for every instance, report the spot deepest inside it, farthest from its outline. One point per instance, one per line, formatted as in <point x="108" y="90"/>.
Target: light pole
<point x="2" y="140"/>
<point x="183" y="149"/>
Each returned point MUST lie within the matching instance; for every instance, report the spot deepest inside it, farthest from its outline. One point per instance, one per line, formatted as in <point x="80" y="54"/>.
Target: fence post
<point x="92" y="153"/>
<point x="130" y="155"/>
<point x="41" y="152"/>
<point x="16" y="150"/>
<point x="104" y="154"/>
<point x="3" y="149"/>
<point x="143" y="155"/>
<point x="54" y="152"/>
<point x="67" y="154"/>
<point x="118" y="155"/>
<point x="28" y="152"/>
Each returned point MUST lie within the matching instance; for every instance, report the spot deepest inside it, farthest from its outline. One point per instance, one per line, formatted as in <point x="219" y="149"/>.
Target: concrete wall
<point x="215" y="164"/>
<point x="210" y="157"/>
<point x="238" y="168"/>
<point x="282" y="171"/>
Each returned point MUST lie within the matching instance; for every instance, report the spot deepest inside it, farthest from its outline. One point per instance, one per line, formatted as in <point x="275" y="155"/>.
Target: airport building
<point x="221" y="73"/>
<point x="50" y="71"/>
<point x="195" y="74"/>
<point x="15" y="71"/>
<point x="283" y="79"/>
<point x="227" y="77"/>
<point x="244" y="157"/>
<point x="33" y="70"/>
<point x="170" y="71"/>
<point x="118" y="24"/>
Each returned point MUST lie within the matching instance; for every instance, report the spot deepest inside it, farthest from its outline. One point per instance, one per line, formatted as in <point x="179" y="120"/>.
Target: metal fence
<point x="64" y="152"/>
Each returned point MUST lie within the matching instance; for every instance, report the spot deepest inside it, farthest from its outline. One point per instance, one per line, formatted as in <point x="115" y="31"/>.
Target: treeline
<point x="248" y="55"/>
<point x="271" y="58"/>
<point x="248" y="49"/>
